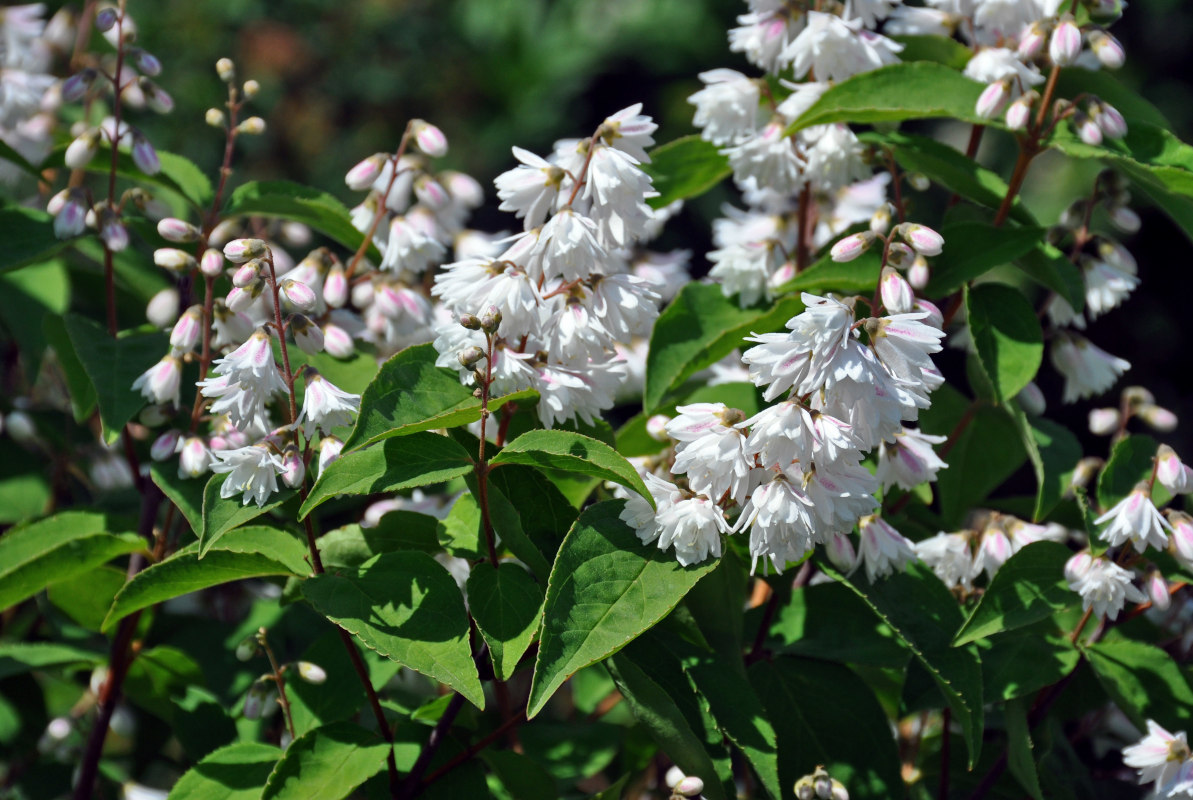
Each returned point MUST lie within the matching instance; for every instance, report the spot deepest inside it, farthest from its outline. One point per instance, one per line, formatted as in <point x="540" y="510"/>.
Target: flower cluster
<point x="960" y="558"/>
<point x="29" y="93"/>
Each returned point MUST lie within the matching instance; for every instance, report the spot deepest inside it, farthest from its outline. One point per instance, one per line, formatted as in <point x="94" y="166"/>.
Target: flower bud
<point x="1154" y="416"/>
<point x="1181" y="543"/>
<point x="1125" y="219"/>
<point x="691" y="786"/>
<point x="1088" y="130"/>
<point x="1031" y="399"/>
<point x="934" y="318"/>
<point x="1065" y="45"/>
<point x="240" y="299"/>
<point x="105" y="20"/>
<point x="1019" y="112"/>
<point x="1103" y="421"/>
<point x="80" y="152"/>
<point x="918" y="274"/>
<point x="173" y="259"/>
<point x="993" y="99"/>
<point x="1078" y="566"/>
<point x="1157" y="590"/>
<point x="156" y="97"/>
<point x="918" y="181"/>
<point x="187" y="330"/>
<point x="293" y="470"/>
<point x="841" y="552"/>
<point x="69" y="208"/>
<point x="337" y="341"/>
<point x="247" y="274"/>
<point x="311" y="673"/>
<point x="880" y="223"/>
<point x="307" y="335"/>
<point x="260" y="700"/>
<point x="900" y="256"/>
<point x="491" y="319"/>
<point x="246" y="649"/>
<point x="1031" y="41"/>
<point x="176" y="230"/>
<point x="429" y="138"/>
<point x="20" y="427"/>
<point x="430" y="193"/>
<point x="329" y="451"/>
<point x="250" y="89"/>
<point x="1135" y="396"/>
<point x="1171" y="472"/>
<point x="853" y="246"/>
<point x="926" y="241"/>
<point x="212" y="264"/>
<point x="897" y="295"/>
<point x="194" y="457"/>
<point x="470" y="322"/>
<point x="112" y="232"/>
<point x="147" y="62"/>
<point x="1107" y="49"/>
<point x="469" y="357"/>
<point x="656" y="427"/>
<point x="214" y="117"/>
<point x="162" y="309"/>
<point x="226" y="70"/>
<point x="1109" y="120"/>
<point x="164" y="446"/>
<point x="240" y="250"/>
<point x="673" y="777"/>
<point x="298" y="294"/>
<point x="253" y="126"/>
<point x="335" y="287"/>
<point x="363" y="175"/>
<point x="1083" y="473"/>
<point x="76" y="86"/>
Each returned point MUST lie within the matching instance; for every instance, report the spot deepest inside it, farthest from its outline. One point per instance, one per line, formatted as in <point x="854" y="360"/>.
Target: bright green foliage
<point x="292" y="201"/>
<point x="507" y="605"/>
<point x="975" y="248"/>
<point x="1029" y="587"/>
<point x="572" y="452"/>
<point x="235" y="772"/>
<point x="1007" y="336"/>
<point x="223" y="514"/>
<point x="685" y="167"/>
<point x="326" y="764"/>
<point x="1130" y="463"/>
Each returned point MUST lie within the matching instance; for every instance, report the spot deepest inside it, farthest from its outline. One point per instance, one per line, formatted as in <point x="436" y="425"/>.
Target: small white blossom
<point x="1103" y="585"/>
<point x="253" y="470"/>
<point x="1135" y="519"/>
<point x="325" y="406"/>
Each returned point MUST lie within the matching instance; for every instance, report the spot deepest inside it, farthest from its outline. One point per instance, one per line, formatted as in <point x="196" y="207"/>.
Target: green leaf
<point x="353" y="545"/>
<point x="339" y="697"/>
<point x="831" y="621"/>
<point x="937" y="49"/>
<point x="922" y="614"/>
<point x="1021" y="663"/>
<point x="950" y="168"/>
<point x="56" y="549"/>
<point x="698" y="329"/>
<point x="411" y="394"/>
<point x="185" y="493"/>
<point x="1053" y="451"/>
<point x="28" y="236"/>
<point x="408" y="608"/>
<point x="521" y="776"/>
<point x="1144" y="682"/>
<point x="82" y="392"/>
<point x="1053" y="270"/>
<point x="24" y="492"/>
<point x="1130" y="463"/>
<point x="1020" y="761"/>
<point x="572" y="452"/>
<point x="158" y="675"/>
<point x="18" y="657"/>
<point x="1029" y="587"/>
<point x="253" y="552"/>
<point x="460" y="532"/>
<point x="419" y="459"/>
<point x="529" y="514"/>
<point x="223" y="514"/>
<point x="1103" y="83"/>
<point x="12" y="156"/>
<point x="685" y="167"/>
<point x="113" y="365"/>
<point x="974" y="248"/>
<point x="235" y="772"/>
<point x="1007" y="335"/>
<point x="859" y="276"/>
<point x="505" y="603"/>
<point x="826" y="715"/>
<point x="326" y="764"/>
<point x="177" y="174"/>
<point x="293" y="201"/>
<point x="86" y="597"/>
<point x="900" y="91"/>
<point x="606" y="588"/>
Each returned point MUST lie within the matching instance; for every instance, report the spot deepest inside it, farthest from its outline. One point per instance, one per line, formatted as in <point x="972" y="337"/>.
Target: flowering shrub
<point x="372" y="503"/>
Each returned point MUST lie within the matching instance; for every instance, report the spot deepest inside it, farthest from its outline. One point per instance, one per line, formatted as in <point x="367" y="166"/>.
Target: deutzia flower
<point x="325" y="406"/>
<point x="529" y="190"/>
<point x="618" y="189"/>
<point x="993" y="64"/>
<point x="1135" y="519"/>
<point x="711" y="450"/>
<point x="692" y="525"/>
<point x="779" y="516"/>
<point x="1171" y="472"/>
<point x="763" y="34"/>
<point x="1159" y="756"/>
<point x="1088" y="370"/>
<point x="769" y="159"/>
<point x="1105" y="286"/>
<point x="568" y="246"/>
<point x="629" y="130"/>
<point x="883" y="549"/>
<point x="727" y="106"/>
<point x="253" y="470"/>
<point x="909" y="460"/>
<point x="949" y="557"/>
<point x="800" y="360"/>
<point x="836" y="49"/>
<point x="835" y="159"/>
<point x="244" y="381"/>
<point x="1103" y="585"/>
<point x="161" y="382"/>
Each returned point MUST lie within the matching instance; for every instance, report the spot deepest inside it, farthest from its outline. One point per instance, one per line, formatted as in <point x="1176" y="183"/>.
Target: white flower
<point x="1103" y="585"/>
<point x="194" y="458"/>
<point x="530" y="189"/>
<point x="1105" y="286"/>
<point x="566" y="392"/>
<point x="909" y="460"/>
<point x="780" y="519"/>
<point x="835" y="159"/>
<point x="325" y="406"/>
<point x="693" y="525"/>
<point x="618" y="189"/>
<point x="410" y="247"/>
<point x="1135" y="519"/>
<point x="245" y="379"/>
<point x="329" y="451"/>
<point x="841" y="494"/>
<point x="1088" y="370"/>
<point x="161" y="382"/>
<point x="883" y="549"/>
<point x="915" y="21"/>
<point x="711" y="450"/>
<point x="1171" y="472"/>
<point x="993" y="64"/>
<point x="803" y="96"/>
<point x="764" y="34"/>
<point x="836" y="49"/>
<point x="727" y="106"/>
<point x="629" y="130"/>
<point x="859" y="391"/>
<point x="1158" y="756"/>
<point x="574" y="336"/>
<point x="949" y="557"/>
<point x="994" y="549"/>
<point x="252" y="470"/>
<point x="768" y="159"/>
<point x="568" y="246"/>
<point x="626" y="305"/>
<point x="745" y="269"/>
<point x="801" y="359"/>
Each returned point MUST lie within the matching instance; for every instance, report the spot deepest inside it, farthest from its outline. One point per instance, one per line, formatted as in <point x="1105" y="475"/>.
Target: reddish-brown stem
<point x="473" y="749"/>
<point x="279" y="682"/>
<point x="971" y="152"/>
<point x="411" y="786"/>
<point x="583" y="176"/>
<point x="897" y="184"/>
<point x="368" y="240"/>
<point x="1027" y="151"/>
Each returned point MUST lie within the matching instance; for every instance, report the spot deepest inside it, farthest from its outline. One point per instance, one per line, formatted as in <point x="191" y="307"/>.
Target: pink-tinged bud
<point x="1107" y="49"/>
<point x="161" y="382"/>
<point x="240" y="250"/>
<point x="691" y="786"/>
<point x="76" y="86"/>
<point x="853" y="246"/>
<point x="144" y="156"/>
<point x="164" y="446"/>
<point x="173" y="259"/>
<point x="247" y="274"/>
<point x="993" y="99"/>
<point x="1125" y="219"/>
<point x="897" y="295"/>
<point x="329" y="451"/>
<point x="298" y="294"/>
<point x="212" y="264"/>
<point x="926" y="241"/>
<point x="1031" y="43"/>
<point x="918" y="274"/>
<point x="178" y="231"/>
<point x="430" y="193"/>
<point x="1031" y="399"/>
<point x="337" y="341"/>
<point x="1078" y="567"/>
<point x="157" y="98"/>
<point x="80" y="152"/>
<point x="363" y="175"/>
<point x="1161" y="419"/>
<point x="162" y="309"/>
<point x="464" y="189"/>
<point x="147" y="62"/>
<point x="1157" y="590"/>
<point x="656" y="427"/>
<point x="253" y="126"/>
<point x="294" y="471"/>
<point x="841" y="552"/>
<point x="429" y="138"/>
<point x="1111" y="122"/>
<point x="240" y="299"/>
<point x="1172" y="474"/>
<point x="187" y="330"/>
<point x="880" y="222"/>
<point x="1181" y="543"/>
<point x="1019" y="112"/>
<point x="1065" y="46"/>
<point x="70" y="213"/>
<point x="105" y="20"/>
<point x="1103" y="421"/>
<point x="335" y="287"/>
<point x="934" y="318"/>
<point x="1088" y="130"/>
